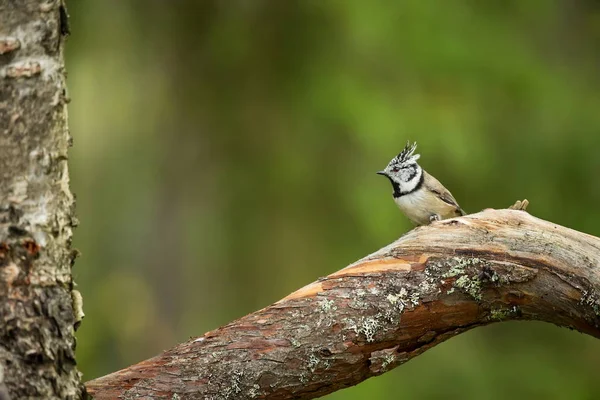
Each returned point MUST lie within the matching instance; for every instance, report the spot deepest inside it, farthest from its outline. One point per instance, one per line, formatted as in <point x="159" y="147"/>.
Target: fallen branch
<point x="433" y="283"/>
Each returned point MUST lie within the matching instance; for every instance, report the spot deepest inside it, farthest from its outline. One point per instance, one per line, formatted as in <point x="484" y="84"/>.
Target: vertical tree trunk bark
<point x="37" y="316"/>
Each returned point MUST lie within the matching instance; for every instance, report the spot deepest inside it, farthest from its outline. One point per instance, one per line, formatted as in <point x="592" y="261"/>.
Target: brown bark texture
<point x="37" y="319"/>
<point x="433" y="283"/>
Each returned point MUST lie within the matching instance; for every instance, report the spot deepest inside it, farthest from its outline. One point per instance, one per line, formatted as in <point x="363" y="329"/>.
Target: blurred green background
<point x="225" y="155"/>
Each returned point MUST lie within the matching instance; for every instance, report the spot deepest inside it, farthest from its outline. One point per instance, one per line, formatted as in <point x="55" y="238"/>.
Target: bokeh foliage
<point x="225" y="155"/>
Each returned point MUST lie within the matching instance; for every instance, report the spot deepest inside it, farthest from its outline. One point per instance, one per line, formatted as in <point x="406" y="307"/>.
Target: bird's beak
<point x="382" y="173"/>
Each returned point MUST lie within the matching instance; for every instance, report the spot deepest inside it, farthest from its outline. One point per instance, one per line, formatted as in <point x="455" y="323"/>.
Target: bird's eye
<point x="395" y="169"/>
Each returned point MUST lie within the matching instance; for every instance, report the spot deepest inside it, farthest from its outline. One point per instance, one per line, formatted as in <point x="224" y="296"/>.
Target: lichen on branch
<point x="433" y="283"/>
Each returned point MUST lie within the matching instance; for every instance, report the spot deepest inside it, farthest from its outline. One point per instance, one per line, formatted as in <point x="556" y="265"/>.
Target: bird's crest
<point x="406" y="156"/>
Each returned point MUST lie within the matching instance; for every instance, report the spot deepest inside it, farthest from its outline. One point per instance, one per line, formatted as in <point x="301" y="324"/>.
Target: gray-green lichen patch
<point x="466" y="272"/>
<point x="414" y="298"/>
<point x="399" y="300"/>
<point x="382" y="304"/>
<point x="393" y="298"/>
<point x="460" y="265"/>
<point x="383" y="360"/>
<point x="365" y="326"/>
<point x="469" y="285"/>
<point x="313" y="362"/>
<point x="360" y="300"/>
<point x="303" y="378"/>
<point x="470" y="275"/>
<point x="500" y="314"/>
<point x="590" y="298"/>
<point x="388" y="304"/>
<point x="326" y="305"/>
<point x="254" y="391"/>
<point x="234" y="388"/>
<point x="327" y="315"/>
<point x="392" y="312"/>
<point x="388" y="359"/>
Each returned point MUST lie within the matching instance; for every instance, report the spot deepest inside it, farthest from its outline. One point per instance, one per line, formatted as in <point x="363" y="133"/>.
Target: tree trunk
<point x="433" y="283"/>
<point x="37" y="316"/>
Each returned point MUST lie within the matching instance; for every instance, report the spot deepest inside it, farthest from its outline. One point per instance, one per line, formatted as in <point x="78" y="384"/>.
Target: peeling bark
<point x="37" y="340"/>
<point x="433" y="283"/>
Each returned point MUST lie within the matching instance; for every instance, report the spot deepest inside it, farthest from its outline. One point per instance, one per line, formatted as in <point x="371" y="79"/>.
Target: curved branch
<point x="433" y="283"/>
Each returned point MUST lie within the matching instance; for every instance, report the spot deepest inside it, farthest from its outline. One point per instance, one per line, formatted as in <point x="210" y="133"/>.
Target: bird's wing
<point x="444" y="194"/>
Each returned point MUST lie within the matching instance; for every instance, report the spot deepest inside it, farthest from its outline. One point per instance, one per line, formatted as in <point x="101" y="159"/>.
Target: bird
<point x="421" y="197"/>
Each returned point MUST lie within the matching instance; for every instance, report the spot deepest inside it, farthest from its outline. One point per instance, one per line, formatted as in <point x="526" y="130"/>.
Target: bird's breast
<point x="415" y="206"/>
<point x="418" y="206"/>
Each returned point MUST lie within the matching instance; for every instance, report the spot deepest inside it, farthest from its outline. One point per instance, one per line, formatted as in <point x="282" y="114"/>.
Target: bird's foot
<point x="434" y="217"/>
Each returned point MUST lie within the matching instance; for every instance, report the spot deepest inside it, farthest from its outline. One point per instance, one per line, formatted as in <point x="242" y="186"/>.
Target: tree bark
<point x="37" y="320"/>
<point x="433" y="283"/>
